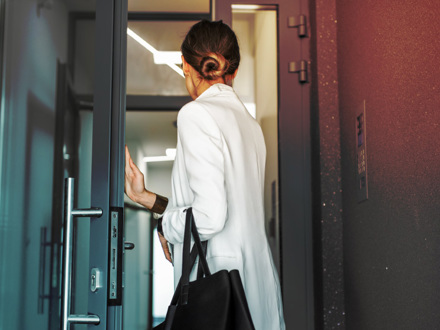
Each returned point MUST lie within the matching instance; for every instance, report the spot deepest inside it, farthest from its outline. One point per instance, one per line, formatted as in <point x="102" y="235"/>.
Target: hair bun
<point x="211" y="48"/>
<point x="212" y="67"/>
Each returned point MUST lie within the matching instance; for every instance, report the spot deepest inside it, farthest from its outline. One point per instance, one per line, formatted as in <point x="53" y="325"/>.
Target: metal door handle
<point x="69" y="214"/>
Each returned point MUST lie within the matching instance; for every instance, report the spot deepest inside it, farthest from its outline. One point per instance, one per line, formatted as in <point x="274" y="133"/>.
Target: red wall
<point x="388" y="56"/>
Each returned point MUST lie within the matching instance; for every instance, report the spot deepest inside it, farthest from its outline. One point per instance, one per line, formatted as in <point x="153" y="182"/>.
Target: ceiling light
<point x="252" y="8"/>
<point x="170" y="156"/>
<point x="163" y="57"/>
<point x="172" y="59"/>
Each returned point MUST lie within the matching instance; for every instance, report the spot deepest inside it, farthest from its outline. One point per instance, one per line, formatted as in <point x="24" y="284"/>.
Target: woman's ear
<point x="235" y="73"/>
<point x="229" y="79"/>
<point x="185" y="66"/>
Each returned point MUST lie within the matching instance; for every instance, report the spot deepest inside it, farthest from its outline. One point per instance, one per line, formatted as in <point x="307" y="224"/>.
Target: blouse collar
<point x="215" y="89"/>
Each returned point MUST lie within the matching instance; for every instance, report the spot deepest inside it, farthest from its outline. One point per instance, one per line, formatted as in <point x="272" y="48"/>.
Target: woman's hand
<point x="134" y="180"/>
<point x="135" y="190"/>
<point x="165" y="247"/>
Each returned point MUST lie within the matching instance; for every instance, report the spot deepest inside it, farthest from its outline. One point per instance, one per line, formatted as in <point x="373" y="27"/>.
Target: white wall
<point x="266" y="99"/>
<point x="257" y="83"/>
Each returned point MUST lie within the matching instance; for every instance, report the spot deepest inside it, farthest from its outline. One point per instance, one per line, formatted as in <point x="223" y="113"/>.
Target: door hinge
<point x="301" y="68"/>
<point x="299" y="22"/>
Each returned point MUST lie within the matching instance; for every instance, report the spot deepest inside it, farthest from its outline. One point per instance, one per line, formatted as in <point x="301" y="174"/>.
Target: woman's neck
<point x="205" y="84"/>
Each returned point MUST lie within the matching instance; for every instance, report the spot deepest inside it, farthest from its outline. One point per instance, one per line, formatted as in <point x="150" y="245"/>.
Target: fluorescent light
<point x="170" y="156"/>
<point x="245" y="7"/>
<point x="252" y="8"/>
<point x="171" y="152"/>
<point x="163" y="57"/>
<point x="160" y="57"/>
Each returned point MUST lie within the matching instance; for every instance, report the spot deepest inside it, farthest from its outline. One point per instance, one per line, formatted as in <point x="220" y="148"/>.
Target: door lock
<point x="95" y="279"/>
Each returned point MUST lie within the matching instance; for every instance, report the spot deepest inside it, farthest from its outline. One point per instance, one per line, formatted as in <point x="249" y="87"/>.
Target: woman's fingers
<point x="134" y="179"/>
<point x="127" y="159"/>
<point x="165" y="248"/>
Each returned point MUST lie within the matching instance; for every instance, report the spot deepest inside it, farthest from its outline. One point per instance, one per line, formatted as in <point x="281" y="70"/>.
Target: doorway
<point x="155" y="92"/>
<point x="35" y="43"/>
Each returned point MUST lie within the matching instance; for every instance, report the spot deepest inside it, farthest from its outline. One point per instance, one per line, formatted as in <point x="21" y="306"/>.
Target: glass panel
<point x="44" y="138"/>
<point x="256" y="85"/>
<point x="150" y="42"/>
<point x="170" y="6"/>
<point x="83" y="82"/>
<point x="149" y="276"/>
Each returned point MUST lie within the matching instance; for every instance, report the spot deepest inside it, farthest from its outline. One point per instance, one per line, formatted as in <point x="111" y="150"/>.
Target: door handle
<point x="69" y="214"/>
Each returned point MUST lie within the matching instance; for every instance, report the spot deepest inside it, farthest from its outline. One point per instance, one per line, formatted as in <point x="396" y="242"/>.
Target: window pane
<point x="146" y="44"/>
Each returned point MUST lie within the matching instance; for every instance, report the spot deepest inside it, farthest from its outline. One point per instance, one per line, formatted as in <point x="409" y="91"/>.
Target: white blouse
<point x="219" y="171"/>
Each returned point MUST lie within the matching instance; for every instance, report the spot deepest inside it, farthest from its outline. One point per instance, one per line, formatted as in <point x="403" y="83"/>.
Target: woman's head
<point x="211" y="48"/>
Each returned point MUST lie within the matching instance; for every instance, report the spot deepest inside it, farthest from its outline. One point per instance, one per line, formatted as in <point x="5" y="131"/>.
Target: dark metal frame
<point x="146" y="16"/>
<point x="2" y="38"/>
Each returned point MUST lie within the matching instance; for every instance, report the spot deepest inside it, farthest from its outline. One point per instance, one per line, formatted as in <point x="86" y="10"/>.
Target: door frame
<point x="108" y="147"/>
<point x="295" y="174"/>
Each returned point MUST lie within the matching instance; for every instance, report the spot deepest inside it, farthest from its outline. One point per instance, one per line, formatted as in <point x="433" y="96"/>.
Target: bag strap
<point x="189" y="258"/>
<point x="186" y="267"/>
<point x="190" y="228"/>
<point x="201" y="247"/>
<point x="200" y="271"/>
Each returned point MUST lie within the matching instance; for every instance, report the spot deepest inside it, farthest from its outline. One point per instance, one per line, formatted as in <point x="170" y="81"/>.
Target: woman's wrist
<point x="153" y="202"/>
<point x="146" y="199"/>
<point x="160" y="204"/>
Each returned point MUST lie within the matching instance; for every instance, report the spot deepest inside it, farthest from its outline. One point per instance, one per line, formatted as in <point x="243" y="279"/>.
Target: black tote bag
<point x="213" y="301"/>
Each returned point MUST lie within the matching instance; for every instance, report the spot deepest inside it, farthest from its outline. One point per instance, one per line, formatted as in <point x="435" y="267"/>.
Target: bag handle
<point x="189" y="258"/>
<point x="201" y="246"/>
<point x="190" y="228"/>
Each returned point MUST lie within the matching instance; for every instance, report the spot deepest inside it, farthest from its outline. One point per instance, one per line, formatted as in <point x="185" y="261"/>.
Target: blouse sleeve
<point x="201" y="143"/>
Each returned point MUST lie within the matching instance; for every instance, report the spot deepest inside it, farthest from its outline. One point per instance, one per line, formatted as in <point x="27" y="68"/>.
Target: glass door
<point x="92" y="168"/>
<point x="62" y="115"/>
<point x="97" y="230"/>
<point x="272" y="80"/>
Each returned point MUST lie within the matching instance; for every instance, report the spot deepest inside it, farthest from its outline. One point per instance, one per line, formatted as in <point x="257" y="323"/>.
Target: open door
<point x="92" y="246"/>
<point x="273" y="36"/>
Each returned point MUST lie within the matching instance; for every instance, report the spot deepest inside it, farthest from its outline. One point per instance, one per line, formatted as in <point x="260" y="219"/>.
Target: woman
<point x="219" y="172"/>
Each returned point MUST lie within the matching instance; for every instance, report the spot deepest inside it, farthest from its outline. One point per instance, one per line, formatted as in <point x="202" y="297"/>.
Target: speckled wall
<point x="388" y="55"/>
<point x="326" y="162"/>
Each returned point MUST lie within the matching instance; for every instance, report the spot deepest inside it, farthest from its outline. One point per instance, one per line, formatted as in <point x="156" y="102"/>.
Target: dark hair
<point x="211" y="48"/>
